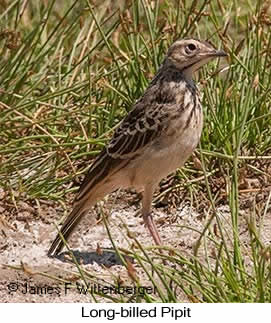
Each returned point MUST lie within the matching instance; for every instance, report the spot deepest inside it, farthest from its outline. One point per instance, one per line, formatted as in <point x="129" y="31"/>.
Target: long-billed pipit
<point x="155" y="138"/>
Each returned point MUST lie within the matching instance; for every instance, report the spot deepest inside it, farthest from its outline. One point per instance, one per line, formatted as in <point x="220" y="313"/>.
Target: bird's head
<point x="188" y="55"/>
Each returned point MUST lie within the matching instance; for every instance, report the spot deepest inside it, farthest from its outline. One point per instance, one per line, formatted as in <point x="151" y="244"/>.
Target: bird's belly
<point x="162" y="158"/>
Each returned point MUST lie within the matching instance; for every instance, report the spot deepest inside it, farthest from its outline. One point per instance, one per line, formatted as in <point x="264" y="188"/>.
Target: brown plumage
<point x="154" y="139"/>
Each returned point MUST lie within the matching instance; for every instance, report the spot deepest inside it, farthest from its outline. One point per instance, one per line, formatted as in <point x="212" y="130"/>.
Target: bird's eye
<point x="190" y="48"/>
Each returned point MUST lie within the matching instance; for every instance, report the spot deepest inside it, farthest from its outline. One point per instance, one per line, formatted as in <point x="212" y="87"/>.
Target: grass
<point x="69" y="73"/>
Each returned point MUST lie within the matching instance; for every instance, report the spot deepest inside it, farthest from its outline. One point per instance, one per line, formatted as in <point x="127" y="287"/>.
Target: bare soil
<point x="27" y="274"/>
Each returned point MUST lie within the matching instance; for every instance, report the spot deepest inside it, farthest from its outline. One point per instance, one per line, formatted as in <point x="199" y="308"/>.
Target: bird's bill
<point x="218" y="53"/>
<point x="206" y="57"/>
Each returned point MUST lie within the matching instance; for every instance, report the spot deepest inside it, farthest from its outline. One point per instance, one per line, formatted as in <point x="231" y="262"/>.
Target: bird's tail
<point x="95" y="186"/>
<point x="68" y="226"/>
<point x="81" y="208"/>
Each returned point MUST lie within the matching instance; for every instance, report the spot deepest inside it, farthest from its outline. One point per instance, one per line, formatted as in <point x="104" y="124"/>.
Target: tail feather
<point x="68" y="226"/>
<point x="95" y="186"/>
<point x="81" y="208"/>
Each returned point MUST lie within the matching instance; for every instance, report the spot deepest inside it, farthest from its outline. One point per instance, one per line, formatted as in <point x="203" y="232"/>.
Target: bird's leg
<point x="146" y="213"/>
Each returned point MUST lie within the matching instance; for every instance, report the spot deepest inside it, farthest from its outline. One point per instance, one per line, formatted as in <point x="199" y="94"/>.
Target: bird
<point x="155" y="138"/>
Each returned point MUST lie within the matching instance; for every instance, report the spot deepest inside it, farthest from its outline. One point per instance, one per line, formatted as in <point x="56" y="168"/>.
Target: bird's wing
<point x="138" y="129"/>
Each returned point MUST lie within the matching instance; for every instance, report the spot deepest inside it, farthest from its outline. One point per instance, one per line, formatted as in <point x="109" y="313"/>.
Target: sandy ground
<point x="25" y="240"/>
<point x="24" y="243"/>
